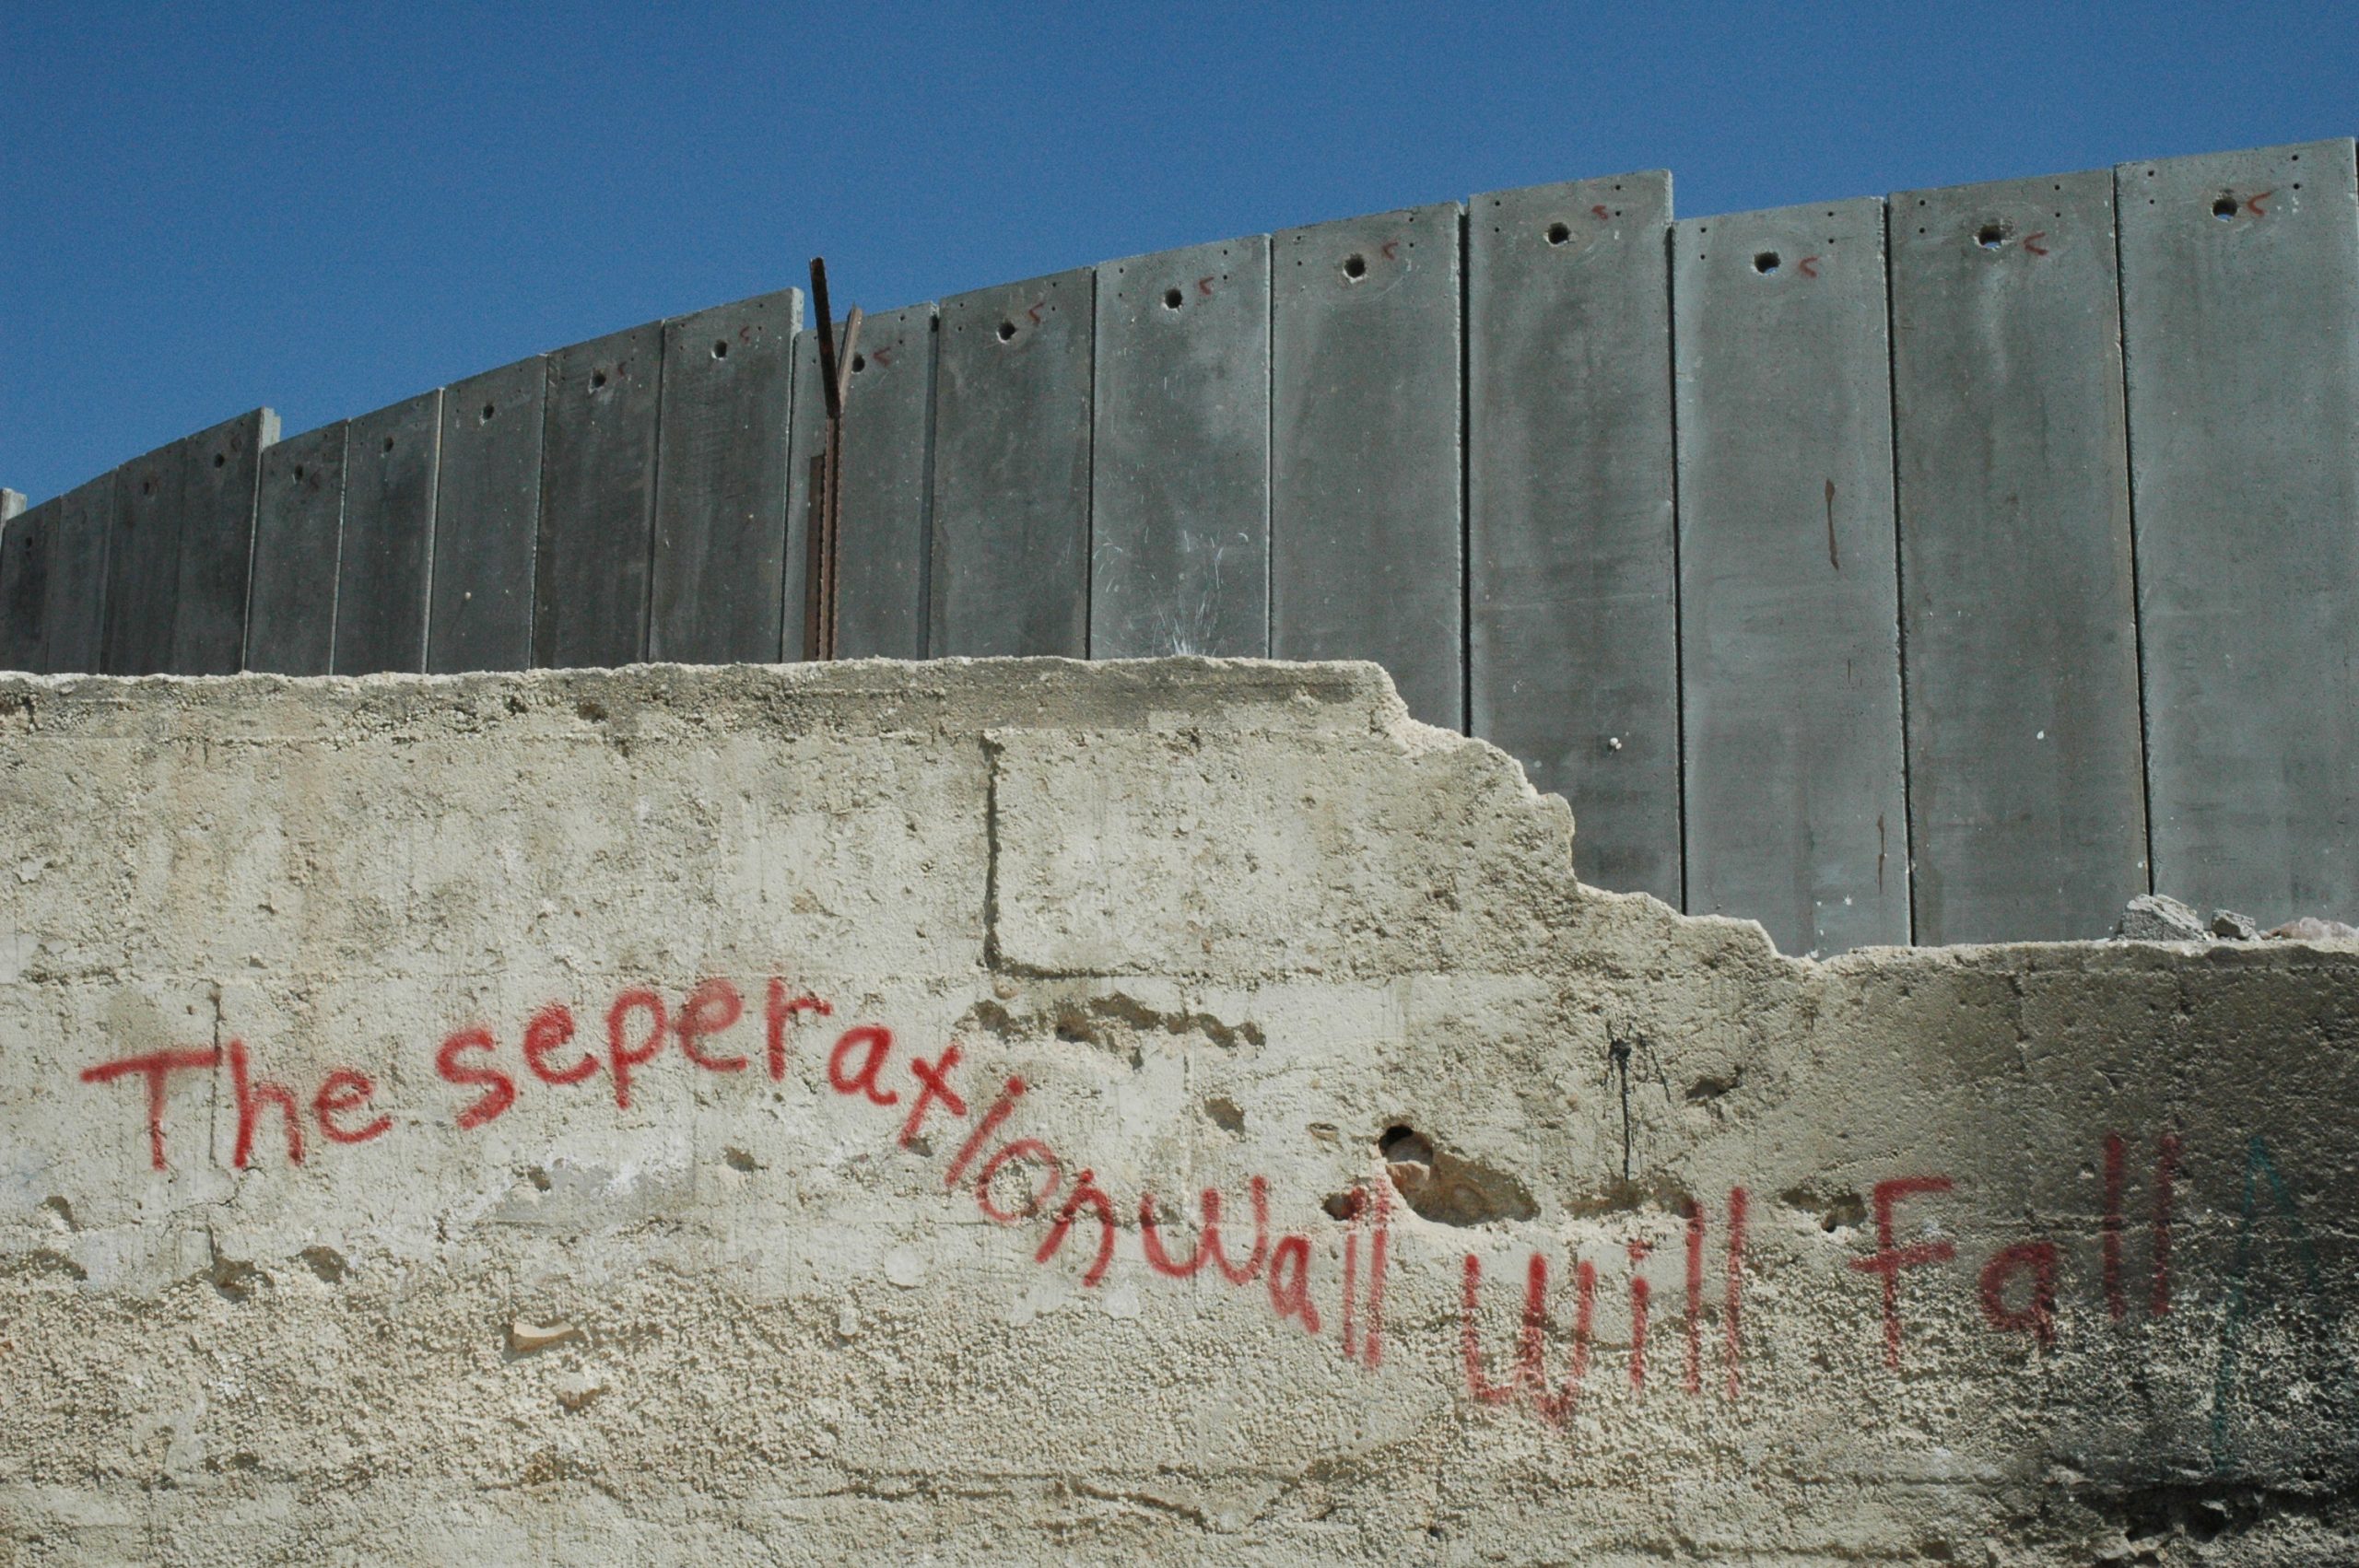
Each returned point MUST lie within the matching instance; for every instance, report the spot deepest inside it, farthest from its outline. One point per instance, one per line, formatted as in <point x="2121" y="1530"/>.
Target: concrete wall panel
<point x="182" y="542"/>
<point x="24" y="588"/>
<point x="886" y="548"/>
<point x="721" y="482"/>
<point x="221" y="473"/>
<point x="299" y="524"/>
<point x="487" y="519"/>
<point x="1788" y="585"/>
<point x="2026" y="787"/>
<point x="1180" y="497"/>
<point x="1572" y="633"/>
<point x="2240" y="320"/>
<point x="1365" y="546"/>
<point x="1011" y="470"/>
<point x="383" y="580"/>
<point x="74" y="617"/>
<point x="590" y="594"/>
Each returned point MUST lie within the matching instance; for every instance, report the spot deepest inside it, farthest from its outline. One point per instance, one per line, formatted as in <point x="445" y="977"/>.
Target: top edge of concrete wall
<point x="1183" y="698"/>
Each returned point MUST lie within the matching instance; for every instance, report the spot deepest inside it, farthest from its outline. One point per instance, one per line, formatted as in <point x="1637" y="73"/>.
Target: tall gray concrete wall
<point x="780" y="1115"/>
<point x="1951" y="566"/>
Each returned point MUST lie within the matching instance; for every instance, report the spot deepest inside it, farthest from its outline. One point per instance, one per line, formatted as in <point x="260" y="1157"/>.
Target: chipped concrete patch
<point x="1041" y="1112"/>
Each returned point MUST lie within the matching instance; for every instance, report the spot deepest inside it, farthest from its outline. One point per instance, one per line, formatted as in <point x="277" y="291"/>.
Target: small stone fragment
<point x="2156" y="917"/>
<point x="2235" y="927"/>
<point x="529" y="1339"/>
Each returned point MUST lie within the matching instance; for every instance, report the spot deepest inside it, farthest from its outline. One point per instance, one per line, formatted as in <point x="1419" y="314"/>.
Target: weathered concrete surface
<point x="1227" y="922"/>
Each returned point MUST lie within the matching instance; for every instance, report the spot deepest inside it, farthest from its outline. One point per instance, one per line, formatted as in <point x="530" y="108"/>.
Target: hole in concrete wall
<point x="489" y="410"/>
<point x="49" y="1260"/>
<point x="1558" y="233"/>
<point x="1225" y="1114"/>
<point x="235" y="1280"/>
<point x="1765" y="263"/>
<point x="389" y="443"/>
<point x="298" y="473"/>
<point x="1356" y="266"/>
<point x="1835" y="1213"/>
<point x="1006" y="331"/>
<point x="597" y="379"/>
<point x="859" y="363"/>
<point x="220" y="459"/>
<point x="721" y="348"/>
<point x="1990" y="237"/>
<point x="1171" y="299"/>
<point x="1709" y="1088"/>
<point x="1448" y="1189"/>
<point x="2224" y="209"/>
<point x="148" y="487"/>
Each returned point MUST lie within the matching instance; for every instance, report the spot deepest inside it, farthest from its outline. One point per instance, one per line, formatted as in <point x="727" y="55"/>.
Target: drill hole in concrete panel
<point x="1171" y="299"/>
<point x="1356" y="266"/>
<point x="721" y="348"/>
<point x="148" y="487"/>
<point x="298" y="473"/>
<point x="597" y="379"/>
<point x="859" y="363"/>
<point x="1006" y="331"/>
<point x="489" y="410"/>
<point x="389" y="443"/>
<point x="2224" y="209"/>
<point x="1558" y="233"/>
<point x="220" y="459"/>
<point x="1765" y="262"/>
<point x="1990" y="237"/>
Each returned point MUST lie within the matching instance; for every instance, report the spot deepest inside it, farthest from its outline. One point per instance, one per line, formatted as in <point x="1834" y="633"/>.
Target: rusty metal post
<point x="826" y="551"/>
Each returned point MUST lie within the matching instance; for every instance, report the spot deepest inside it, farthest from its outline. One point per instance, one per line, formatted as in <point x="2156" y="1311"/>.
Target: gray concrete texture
<point x="665" y="1193"/>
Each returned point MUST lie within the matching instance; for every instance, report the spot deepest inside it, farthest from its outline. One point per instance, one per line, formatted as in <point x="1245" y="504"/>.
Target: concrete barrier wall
<point x="1835" y="562"/>
<point x="1031" y="1111"/>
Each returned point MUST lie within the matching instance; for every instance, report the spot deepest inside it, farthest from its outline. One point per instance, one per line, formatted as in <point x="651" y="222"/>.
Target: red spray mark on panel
<point x="621" y="1058"/>
<point x="1009" y="1094"/>
<point x="499" y="1090"/>
<point x="1693" y="1381"/>
<point x="1022" y="1149"/>
<point x="934" y="1086"/>
<point x="1290" y="1281"/>
<point x="1208" y="1237"/>
<point x="779" y="1017"/>
<point x="155" y="1067"/>
<point x="1085" y="1191"/>
<point x="877" y="1042"/>
<point x="1641" y="1292"/>
<point x="2037" y="1316"/>
<point x="1530" y="1376"/>
<point x="344" y="1093"/>
<point x="1889" y="1261"/>
<point x="550" y="1027"/>
<point x="710" y="1010"/>
<point x="252" y="1097"/>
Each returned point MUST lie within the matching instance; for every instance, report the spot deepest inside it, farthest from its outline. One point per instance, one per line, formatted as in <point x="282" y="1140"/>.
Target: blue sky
<point x="326" y="209"/>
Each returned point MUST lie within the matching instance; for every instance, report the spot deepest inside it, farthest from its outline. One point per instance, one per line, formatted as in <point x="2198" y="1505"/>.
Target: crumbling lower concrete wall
<point x="1028" y="1111"/>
